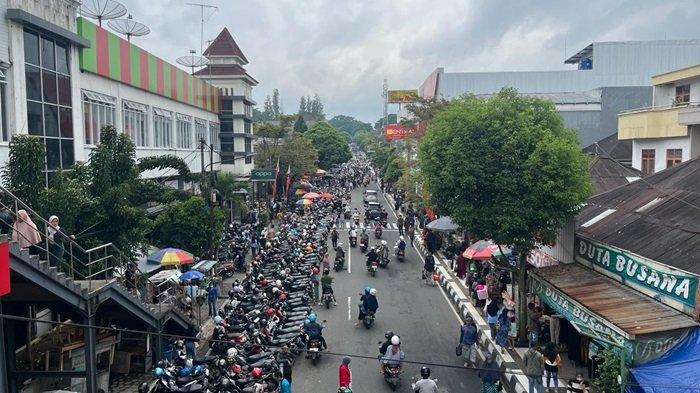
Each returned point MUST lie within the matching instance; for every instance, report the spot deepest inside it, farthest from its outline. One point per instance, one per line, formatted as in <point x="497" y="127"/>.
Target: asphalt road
<point x="420" y="314"/>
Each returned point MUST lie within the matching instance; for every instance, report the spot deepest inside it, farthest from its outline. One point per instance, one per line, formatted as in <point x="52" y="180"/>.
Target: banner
<point x="662" y="280"/>
<point x="4" y="268"/>
<point x="396" y="131"/>
<point x="402" y="96"/>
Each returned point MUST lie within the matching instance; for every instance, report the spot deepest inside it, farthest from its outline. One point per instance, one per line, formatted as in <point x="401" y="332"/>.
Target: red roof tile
<point x="225" y="45"/>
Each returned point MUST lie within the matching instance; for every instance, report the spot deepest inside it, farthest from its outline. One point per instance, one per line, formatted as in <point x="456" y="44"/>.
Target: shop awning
<point x="602" y="307"/>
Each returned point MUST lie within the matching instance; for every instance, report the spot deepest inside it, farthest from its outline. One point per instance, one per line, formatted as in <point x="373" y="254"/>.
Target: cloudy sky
<point x="342" y="49"/>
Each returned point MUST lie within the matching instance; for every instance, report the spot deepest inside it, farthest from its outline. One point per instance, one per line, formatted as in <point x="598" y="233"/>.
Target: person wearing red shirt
<point x="345" y="376"/>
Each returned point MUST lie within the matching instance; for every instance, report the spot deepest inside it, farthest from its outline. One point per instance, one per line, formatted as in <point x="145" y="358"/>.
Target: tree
<point x="505" y="169"/>
<point x="112" y="161"/>
<point x="302" y="105"/>
<point x="24" y="173"/>
<point x="276" y="109"/>
<point x="299" y="154"/>
<point x="380" y="123"/>
<point x="300" y="125"/>
<point x="187" y="225"/>
<point x="332" y="146"/>
<point x="317" y="107"/>
<point x="269" y="145"/>
<point x="394" y="169"/>
<point x="268" y="111"/>
<point x="422" y="112"/>
<point x="349" y="124"/>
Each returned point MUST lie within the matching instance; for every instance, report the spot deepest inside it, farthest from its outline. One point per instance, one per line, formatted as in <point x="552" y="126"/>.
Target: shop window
<point x="200" y="130"/>
<point x="648" y="161"/>
<point x="135" y="122"/>
<point x="184" y="131"/>
<point x="99" y="111"/>
<point x="162" y="128"/>
<point x="682" y="94"/>
<point x="673" y="157"/>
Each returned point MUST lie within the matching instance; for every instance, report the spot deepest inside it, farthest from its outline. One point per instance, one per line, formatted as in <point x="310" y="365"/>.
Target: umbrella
<point x="170" y="257"/>
<point x="311" y="195"/>
<point x="443" y="224"/>
<point x="304" y="202"/>
<point x="484" y="250"/>
<point x="320" y="172"/>
<point x="191" y="275"/>
<point x="326" y="195"/>
<point x="299" y="191"/>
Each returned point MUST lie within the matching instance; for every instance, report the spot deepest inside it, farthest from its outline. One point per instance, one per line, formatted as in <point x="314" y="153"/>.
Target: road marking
<point x="349" y="301"/>
<point x="349" y="260"/>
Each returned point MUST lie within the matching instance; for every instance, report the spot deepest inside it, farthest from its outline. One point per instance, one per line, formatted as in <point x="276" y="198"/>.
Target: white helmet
<point x="231" y="353"/>
<point x="278" y="283"/>
<point x="401" y="237"/>
<point x="189" y="363"/>
<point x="340" y="244"/>
<point x="373" y="292"/>
<point x="395" y="340"/>
<point x="383" y="242"/>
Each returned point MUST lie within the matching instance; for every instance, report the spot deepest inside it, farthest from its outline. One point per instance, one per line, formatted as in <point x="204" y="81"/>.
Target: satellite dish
<point x="129" y="27"/>
<point x="192" y="60"/>
<point x="102" y="9"/>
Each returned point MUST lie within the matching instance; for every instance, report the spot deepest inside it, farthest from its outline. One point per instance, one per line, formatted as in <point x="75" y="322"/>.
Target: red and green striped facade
<point x="115" y="58"/>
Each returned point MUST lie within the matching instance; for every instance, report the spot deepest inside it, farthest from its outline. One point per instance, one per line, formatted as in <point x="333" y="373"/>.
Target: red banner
<point x="396" y="131"/>
<point x="4" y="268"/>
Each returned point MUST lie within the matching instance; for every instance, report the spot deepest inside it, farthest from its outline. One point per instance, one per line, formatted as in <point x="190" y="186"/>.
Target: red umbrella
<point x="484" y="250"/>
<point x="311" y="195"/>
<point x="326" y="195"/>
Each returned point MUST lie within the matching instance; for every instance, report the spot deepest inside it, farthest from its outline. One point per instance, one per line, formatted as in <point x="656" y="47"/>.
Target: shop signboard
<point x="396" y="131"/>
<point x="262" y="174"/>
<point x="539" y="258"/>
<point x="402" y="96"/>
<point x="584" y="320"/>
<point x="660" y="279"/>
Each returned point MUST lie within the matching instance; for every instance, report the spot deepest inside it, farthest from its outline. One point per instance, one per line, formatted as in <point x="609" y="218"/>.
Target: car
<point x="370" y="199"/>
<point x="369" y="195"/>
<point x="374" y="214"/>
<point x="373" y="205"/>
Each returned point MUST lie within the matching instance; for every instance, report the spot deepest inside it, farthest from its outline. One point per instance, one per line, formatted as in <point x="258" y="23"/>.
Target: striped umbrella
<point x="170" y="257"/>
<point x="484" y="250"/>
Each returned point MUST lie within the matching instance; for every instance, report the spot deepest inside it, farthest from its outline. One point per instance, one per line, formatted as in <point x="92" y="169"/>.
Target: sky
<point x="343" y="49"/>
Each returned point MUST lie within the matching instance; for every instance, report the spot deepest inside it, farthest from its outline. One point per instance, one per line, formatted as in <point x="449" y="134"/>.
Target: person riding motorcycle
<point x="383" y="251"/>
<point x="388" y="335"/>
<point x="327" y="285"/>
<point x="369" y="303"/>
<point x="372" y="256"/>
<point x="364" y="237"/>
<point x="425" y="384"/>
<point x="400" y="244"/>
<point x="314" y="331"/>
<point x="340" y="253"/>
<point x="394" y="355"/>
<point x="352" y="233"/>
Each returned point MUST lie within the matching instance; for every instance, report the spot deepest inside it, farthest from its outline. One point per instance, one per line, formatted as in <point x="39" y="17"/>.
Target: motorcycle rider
<point x="340" y="253"/>
<point x="394" y="355"/>
<point x="372" y="256"/>
<point x="400" y="245"/>
<point x="364" y="237"/>
<point x="314" y="331"/>
<point x="388" y="335"/>
<point x="327" y="285"/>
<point x="369" y="304"/>
<point x="425" y="385"/>
<point x="352" y="234"/>
<point x="383" y="251"/>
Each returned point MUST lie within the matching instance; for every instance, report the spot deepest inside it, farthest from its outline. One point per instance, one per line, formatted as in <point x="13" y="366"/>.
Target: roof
<point x="588" y="50"/>
<point x="656" y="217"/>
<point x="676" y="75"/>
<point x="225" y="45"/>
<point x="562" y="97"/>
<point x="629" y="310"/>
<point x="221" y="70"/>
<point x="612" y="147"/>
<point x="607" y="174"/>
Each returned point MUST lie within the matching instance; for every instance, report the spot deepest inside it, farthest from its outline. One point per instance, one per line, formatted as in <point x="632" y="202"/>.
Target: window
<point x="248" y="110"/>
<point x="162" y="128"/>
<point x="48" y="85"/>
<point x="136" y="122"/>
<point x="214" y="136"/>
<point x="4" y="134"/>
<point x="200" y="130"/>
<point x="648" y="160"/>
<point x="247" y="128"/>
<point x="683" y="94"/>
<point x="248" y="150"/>
<point x="99" y="111"/>
<point x="673" y="157"/>
<point x="184" y="131"/>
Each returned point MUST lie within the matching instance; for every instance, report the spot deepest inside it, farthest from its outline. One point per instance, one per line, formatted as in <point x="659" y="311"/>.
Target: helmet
<point x="383" y="242"/>
<point x="314" y="270"/>
<point x="143" y="388"/>
<point x="425" y="372"/>
<point x="237" y="289"/>
<point x="189" y="363"/>
<point x="279" y="282"/>
<point x="256" y="373"/>
<point x="217" y="319"/>
<point x="263" y="322"/>
<point x="373" y="292"/>
<point x="401" y="237"/>
<point x="389" y="334"/>
<point x="326" y="271"/>
<point x="271" y="311"/>
<point x="282" y="297"/>
<point x="312" y="317"/>
<point x="340" y="244"/>
<point x="367" y="290"/>
<point x="221" y="362"/>
<point x="275" y="289"/>
<point x="179" y="344"/>
<point x="158" y="372"/>
<point x="395" y="340"/>
<point x="231" y="353"/>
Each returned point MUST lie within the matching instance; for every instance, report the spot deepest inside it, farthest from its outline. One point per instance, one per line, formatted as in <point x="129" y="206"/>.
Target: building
<point x="668" y="132"/>
<point x="611" y="77"/>
<point x="225" y="71"/>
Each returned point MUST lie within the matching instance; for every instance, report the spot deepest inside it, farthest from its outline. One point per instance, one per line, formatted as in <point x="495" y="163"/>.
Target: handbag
<point x="482" y="294"/>
<point x="458" y="350"/>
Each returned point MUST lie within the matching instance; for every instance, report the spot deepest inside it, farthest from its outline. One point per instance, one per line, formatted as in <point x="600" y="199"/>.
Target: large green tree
<point x="24" y="173"/>
<point x="300" y="125"/>
<point x="349" y="124"/>
<point x="505" y="169"/>
<point x="271" y="137"/>
<point x="299" y="154"/>
<point x="188" y="225"/>
<point x="331" y="144"/>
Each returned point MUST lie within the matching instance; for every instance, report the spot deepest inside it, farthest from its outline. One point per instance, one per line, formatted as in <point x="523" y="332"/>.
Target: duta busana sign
<point x="660" y="279"/>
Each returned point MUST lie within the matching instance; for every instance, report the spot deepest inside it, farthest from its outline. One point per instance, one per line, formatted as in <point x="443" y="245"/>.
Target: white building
<point x="668" y="132"/>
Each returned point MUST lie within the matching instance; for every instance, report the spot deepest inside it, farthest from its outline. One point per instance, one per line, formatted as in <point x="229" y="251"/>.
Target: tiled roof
<point x="221" y="70"/>
<point x="225" y="45"/>
<point x="606" y="173"/>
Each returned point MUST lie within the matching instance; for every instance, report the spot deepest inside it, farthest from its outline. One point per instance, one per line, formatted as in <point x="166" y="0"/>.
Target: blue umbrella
<point x="191" y="275"/>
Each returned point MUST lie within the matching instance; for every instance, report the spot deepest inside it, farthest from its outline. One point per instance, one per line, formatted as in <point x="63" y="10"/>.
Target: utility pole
<point x="385" y="95"/>
<point x="202" y="6"/>
<point x="202" y="143"/>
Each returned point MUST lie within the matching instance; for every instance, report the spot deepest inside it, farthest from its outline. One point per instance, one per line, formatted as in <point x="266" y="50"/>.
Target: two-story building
<point x="668" y="132"/>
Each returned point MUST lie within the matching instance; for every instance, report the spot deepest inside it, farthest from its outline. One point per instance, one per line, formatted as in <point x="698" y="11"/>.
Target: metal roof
<point x="562" y="97"/>
<point x="629" y="310"/>
<point x="666" y="231"/>
<point x="606" y="174"/>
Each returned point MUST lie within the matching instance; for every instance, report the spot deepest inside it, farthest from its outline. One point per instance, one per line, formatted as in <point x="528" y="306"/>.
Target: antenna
<point x="102" y="9"/>
<point x="202" y="6"/>
<point x="129" y="27"/>
<point x="192" y="60"/>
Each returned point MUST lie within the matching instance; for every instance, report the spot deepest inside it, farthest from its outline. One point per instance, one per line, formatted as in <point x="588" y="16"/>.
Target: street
<point x="419" y="314"/>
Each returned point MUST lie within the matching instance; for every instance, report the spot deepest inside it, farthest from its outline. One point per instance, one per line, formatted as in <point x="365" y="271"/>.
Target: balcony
<point x="654" y="122"/>
<point x="690" y="115"/>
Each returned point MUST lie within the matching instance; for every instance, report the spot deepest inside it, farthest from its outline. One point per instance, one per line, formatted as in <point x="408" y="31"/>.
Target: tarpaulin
<point x="677" y="371"/>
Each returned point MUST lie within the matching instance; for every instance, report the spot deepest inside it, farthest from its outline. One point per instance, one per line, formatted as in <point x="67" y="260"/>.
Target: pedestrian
<point x="334" y="238"/>
<point x="286" y="359"/>
<point x="212" y="296"/>
<point x="502" y="327"/>
<point x="512" y="332"/>
<point x="577" y="385"/>
<point x="493" y="311"/>
<point x="399" y="224"/>
<point x="468" y="337"/>
<point x="479" y="287"/>
<point x="461" y="265"/>
<point x="6" y="220"/>
<point x="24" y="231"/>
<point x="326" y="261"/>
<point x="315" y="281"/>
<point x="344" y="373"/>
<point x="284" y="385"/>
<point x="534" y="368"/>
<point x="254" y="246"/>
<point x="534" y="316"/>
<point x="57" y="237"/>
<point x="190" y="290"/>
<point x="552" y="361"/>
<point x="490" y="374"/>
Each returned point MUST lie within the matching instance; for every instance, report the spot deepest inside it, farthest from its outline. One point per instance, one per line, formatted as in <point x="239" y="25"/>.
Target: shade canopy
<point x="311" y="195"/>
<point x="304" y="202"/>
<point x="485" y="249"/>
<point x="443" y="224"/>
<point x="191" y="275"/>
<point x="171" y="257"/>
<point x="326" y="195"/>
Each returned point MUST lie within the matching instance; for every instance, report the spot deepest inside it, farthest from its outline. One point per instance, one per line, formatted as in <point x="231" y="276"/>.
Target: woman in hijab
<point x="57" y="238"/>
<point x="24" y="230"/>
<point x="490" y="374"/>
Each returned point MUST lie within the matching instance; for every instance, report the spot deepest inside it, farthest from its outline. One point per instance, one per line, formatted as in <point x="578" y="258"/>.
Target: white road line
<point x="349" y="260"/>
<point x="349" y="301"/>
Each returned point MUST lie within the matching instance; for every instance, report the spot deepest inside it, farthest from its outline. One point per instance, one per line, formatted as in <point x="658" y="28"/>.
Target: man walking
<point x="534" y="368"/>
<point x="467" y="339"/>
<point x="212" y="296"/>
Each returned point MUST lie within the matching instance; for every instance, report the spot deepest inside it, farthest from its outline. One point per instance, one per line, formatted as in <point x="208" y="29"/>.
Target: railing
<point x="661" y="107"/>
<point x="101" y="263"/>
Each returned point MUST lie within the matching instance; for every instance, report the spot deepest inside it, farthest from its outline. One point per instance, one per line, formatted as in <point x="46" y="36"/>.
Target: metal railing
<point x="104" y="263"/>
<point x="661" y="107"/>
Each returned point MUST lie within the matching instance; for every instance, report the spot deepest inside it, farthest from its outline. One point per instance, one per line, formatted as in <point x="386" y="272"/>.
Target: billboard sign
<point x="263" y="174"/>
<point x="396" y="131"/>
<point x="402" y="96"/>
